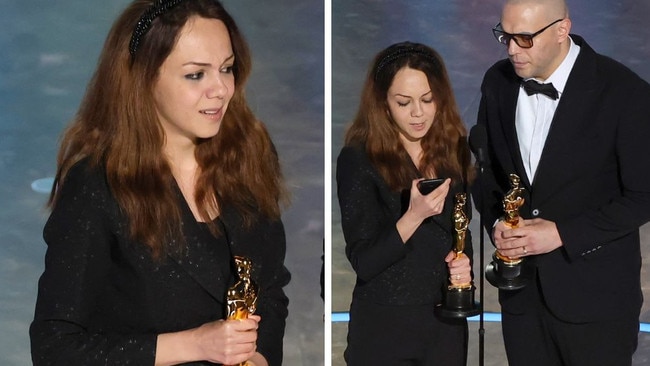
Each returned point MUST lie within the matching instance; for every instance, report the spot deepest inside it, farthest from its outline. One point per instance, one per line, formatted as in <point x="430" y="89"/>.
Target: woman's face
<point x="196" y="82"/>
<point x="410" y="104"/>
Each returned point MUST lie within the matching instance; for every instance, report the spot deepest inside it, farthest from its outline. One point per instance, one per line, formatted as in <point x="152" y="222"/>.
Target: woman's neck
<point x="414" y="149"/>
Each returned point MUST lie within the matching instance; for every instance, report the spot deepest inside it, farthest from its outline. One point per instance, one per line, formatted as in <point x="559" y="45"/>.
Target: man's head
<point x="547" y="21"/>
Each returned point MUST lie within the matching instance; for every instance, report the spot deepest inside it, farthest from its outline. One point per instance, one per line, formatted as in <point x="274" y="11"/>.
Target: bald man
<point x="575" y="126"/>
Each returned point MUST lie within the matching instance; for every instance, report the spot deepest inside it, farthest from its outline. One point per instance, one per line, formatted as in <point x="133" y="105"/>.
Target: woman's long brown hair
<point x="444" y="146"/>
<point x="117" y="127"/>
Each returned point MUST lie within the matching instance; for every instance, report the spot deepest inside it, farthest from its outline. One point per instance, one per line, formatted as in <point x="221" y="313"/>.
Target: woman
<point x="163" y="177"/>
<point x="407" y="128"/>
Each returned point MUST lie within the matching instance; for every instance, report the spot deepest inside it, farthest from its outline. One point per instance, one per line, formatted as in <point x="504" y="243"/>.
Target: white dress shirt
<point x="535" y="113"/>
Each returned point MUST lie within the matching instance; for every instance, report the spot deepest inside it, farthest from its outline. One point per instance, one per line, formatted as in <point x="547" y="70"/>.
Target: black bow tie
<point x="532" y="87"/>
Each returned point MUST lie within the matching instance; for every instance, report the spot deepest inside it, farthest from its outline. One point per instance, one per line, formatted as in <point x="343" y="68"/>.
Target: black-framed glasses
<point x="523" y="40"/>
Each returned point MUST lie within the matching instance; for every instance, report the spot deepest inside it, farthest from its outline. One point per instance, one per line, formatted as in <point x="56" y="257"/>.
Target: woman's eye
<point x="227" y="69"/>
<point x="195" y="76"/>
<point x="427" y="100"/>
<point x="402" y="104"/>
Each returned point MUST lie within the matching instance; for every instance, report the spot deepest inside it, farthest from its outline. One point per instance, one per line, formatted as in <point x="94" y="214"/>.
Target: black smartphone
<point x="426" y="186"/>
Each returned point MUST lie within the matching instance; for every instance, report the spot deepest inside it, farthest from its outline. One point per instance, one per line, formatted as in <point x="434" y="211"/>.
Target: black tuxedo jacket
<point x="102" y="299"/>
<point x="593" y="181"/>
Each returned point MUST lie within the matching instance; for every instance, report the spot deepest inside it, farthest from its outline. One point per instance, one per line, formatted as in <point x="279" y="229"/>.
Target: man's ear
<point x="564" y="29"/>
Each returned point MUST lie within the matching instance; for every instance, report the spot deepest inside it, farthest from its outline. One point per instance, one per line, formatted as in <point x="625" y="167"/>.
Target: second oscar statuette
<point x="504" y="272"/>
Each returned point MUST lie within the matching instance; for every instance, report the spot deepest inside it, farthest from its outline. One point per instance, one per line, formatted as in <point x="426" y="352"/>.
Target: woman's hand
<point x="460" y="269"/>
<point x="228" y="342"/>
<point x="421" y="207"/>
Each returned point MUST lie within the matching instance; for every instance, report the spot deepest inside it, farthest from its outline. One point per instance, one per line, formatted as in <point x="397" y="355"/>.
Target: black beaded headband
<point x="143" y="25"/>
<point x="399" y="53"/>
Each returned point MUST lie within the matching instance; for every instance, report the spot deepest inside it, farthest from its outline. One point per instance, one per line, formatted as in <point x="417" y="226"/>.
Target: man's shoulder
<point x="606" y="67"/>
<point x="501" y="71"/>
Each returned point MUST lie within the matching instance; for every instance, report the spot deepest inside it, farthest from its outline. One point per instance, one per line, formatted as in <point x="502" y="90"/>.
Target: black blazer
<point x="103" y="300"/>
<point x="391" y="272"/>
<point x="593" y="181"/>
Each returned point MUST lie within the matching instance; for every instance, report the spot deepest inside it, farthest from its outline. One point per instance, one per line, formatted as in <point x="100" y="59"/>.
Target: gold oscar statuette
<point x="241" y="299"/>
<point x="461" y="223"/>
<point x="512" y="201"/>
<point x="504" y="272"/>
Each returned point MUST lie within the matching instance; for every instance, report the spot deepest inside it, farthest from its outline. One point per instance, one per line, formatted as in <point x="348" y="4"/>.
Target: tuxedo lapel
<point x="509" y="96"/>
<point x="569" y="126"/>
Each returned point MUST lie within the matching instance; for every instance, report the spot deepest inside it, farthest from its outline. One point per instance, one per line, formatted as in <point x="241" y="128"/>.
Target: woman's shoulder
<point x="353" y="154"/>
<point x="85" y="170"/>
<point x="84" y="195"/>
<point x="85" y="177"/>
<point x="354" y="170"/>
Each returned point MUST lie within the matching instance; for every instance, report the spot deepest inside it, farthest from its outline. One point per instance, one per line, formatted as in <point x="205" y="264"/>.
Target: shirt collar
<point x="560" y="76"/>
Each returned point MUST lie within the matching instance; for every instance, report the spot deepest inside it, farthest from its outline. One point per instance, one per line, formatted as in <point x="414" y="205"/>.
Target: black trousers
<point x="404" y="336"/>
<point x="538" y="338"/>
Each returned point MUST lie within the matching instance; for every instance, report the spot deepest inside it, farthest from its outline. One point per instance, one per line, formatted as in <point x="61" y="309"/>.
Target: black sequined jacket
<point x="102" y="299"/>
<point x="391" y="272"/>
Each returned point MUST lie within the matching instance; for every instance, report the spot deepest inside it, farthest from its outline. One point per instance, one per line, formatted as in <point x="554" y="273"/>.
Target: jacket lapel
<point x="509" y="95"/>
<point x="569" y="124"/>
<point x="206" y="263"/>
